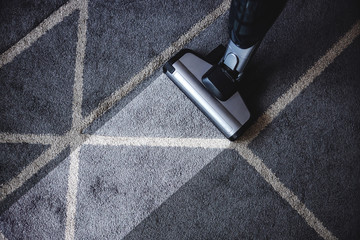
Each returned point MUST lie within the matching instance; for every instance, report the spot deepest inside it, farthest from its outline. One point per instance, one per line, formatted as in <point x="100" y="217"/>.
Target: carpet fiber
<point x="97" y="143"/>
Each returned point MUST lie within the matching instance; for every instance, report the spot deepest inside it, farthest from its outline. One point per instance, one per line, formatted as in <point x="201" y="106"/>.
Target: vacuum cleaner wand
<point x="211" y="83"/>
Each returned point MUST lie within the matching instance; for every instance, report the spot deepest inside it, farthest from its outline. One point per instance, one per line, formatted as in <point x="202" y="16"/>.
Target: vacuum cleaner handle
<point x="249" y="20"/>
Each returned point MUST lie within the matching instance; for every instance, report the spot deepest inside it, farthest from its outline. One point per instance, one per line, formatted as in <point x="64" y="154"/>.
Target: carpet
<point x="97" y="143"/>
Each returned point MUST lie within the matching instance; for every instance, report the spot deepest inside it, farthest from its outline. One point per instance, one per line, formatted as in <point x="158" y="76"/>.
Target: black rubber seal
<point x="237" y="134"/>
<point x="242" y="129"/>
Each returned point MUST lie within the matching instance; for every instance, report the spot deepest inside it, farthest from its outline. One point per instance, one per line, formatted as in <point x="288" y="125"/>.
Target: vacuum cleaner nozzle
<point x="227" y="111"/>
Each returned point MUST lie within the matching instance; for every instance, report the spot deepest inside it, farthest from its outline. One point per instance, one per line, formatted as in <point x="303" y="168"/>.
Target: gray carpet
<point x="97" y="143"/>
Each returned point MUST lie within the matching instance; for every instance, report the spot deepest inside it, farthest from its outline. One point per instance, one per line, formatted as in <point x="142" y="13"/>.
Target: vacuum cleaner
<point x="211" y="82"/>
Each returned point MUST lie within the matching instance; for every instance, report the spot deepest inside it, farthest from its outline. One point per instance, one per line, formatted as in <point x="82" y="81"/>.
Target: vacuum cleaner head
<point x="187" y="70"/>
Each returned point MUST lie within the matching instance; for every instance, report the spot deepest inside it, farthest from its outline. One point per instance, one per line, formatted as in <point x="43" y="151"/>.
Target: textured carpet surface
<point x="97" y="143"/>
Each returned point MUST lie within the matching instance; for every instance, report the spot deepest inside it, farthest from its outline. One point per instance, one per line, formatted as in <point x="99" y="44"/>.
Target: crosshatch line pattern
<point x="75" y="139"/>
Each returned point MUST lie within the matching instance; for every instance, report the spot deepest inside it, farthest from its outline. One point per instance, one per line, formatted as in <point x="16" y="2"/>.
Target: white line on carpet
<point x="44" y="139"/>
<point x="79" y="65"/>
<point x="284" y="192"/>
<point x="157" y="62"/>
<point x="304" y="81"/>
<point x="37" y="32"/>
<point x="71" y="199"/>
<point x="159" y="142"/>
<point x="73" y="179"/>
